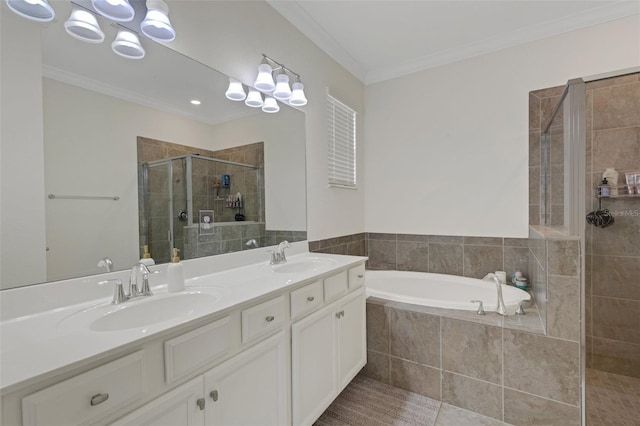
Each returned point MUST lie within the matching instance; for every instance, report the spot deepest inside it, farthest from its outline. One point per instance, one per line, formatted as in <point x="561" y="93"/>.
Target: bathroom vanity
<point x="270" y="345"/>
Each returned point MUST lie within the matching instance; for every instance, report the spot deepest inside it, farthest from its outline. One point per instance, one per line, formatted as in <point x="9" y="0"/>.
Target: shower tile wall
<point x="205" y="195"/>
<point x="613" y="253"/>
<point x="541" y="106"/>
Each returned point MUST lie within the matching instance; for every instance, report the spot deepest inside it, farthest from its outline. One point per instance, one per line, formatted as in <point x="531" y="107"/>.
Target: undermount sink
<point x="305" y="265"/>
<point x="141" y="312"/>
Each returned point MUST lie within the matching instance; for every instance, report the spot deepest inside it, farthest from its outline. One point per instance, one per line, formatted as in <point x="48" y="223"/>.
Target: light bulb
<point x="116" y="10"/>
<point x="235" y="92"/>
<point x="282" y="90"/>
<point x="254" y="99"/>
<point x="297" y="96"/>
<point x="128" y="45"/>
<point x="264" y="81"/>
<point x="270" y="105"/>
<point x="84" y="26"/>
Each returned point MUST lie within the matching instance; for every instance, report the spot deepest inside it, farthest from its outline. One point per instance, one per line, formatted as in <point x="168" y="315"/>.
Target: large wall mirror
<point x="105" y="117"/>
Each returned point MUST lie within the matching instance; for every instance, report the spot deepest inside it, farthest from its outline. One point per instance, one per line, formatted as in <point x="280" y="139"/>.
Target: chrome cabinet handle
<point x="360" y="276"/>
<point x="270" y="318"/>
<point x="99" y="398"/>
<point x="340" y="314"/>
<point x="214" y="395"/>
<point x="311" y="298"/>
<point x="200" y="403"/>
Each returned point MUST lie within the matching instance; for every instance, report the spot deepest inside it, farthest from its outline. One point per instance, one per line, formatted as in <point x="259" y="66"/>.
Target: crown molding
<point x="129" y="96"/>
<point x="294" y="13"/>
<point x="299" y="18"/>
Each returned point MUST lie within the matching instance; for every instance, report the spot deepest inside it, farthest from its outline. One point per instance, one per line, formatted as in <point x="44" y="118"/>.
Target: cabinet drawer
<point x="306" y="299"/>
<point x="335" y="286"/>
<point x="196" y="348"/>
<point x="261" y="319"/>
<point x="87" y="397"/>
<point x="356" y="276"/>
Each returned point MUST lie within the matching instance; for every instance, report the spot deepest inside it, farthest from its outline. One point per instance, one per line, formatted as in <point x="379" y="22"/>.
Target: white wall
<point x="447" y="148"/>
<point x="22" y="227"/>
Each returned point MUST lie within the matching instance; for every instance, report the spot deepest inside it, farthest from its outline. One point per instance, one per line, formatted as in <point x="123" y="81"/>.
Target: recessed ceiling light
<point x="195" y="102"/>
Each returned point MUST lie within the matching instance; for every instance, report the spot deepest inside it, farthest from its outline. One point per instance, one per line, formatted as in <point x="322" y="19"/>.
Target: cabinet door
<point x="251" y="388"/>
<point x="352" y="339"/>
<point x="181" y="406"/>
<point x="314" y="366"/>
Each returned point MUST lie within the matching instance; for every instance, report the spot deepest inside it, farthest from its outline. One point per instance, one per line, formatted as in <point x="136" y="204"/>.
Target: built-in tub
<point x="440" y="290"/>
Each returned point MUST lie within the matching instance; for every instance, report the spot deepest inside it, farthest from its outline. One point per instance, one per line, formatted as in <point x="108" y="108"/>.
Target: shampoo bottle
<point x="175" y="274"/>
<point x="146" y="257"/>
<point x="612" y="178"/>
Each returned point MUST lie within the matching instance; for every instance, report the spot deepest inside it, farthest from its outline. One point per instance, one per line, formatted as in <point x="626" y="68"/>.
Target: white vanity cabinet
<point x="328" y="348"/>
<point x="248" y="389"/>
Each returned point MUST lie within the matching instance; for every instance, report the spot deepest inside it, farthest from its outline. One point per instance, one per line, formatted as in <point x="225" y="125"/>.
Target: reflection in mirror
<point x="97" y="106"/>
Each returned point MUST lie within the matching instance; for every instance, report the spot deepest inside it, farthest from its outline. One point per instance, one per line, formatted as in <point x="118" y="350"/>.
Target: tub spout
<point x="501" y="309"/>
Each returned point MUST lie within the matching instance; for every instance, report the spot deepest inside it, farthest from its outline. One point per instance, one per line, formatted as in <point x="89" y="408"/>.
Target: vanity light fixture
<point x="235" y="92"/>
<point x="264" y="81"/>
<point x="270" y="105"/>
<point x="35" y="10"/>
<point x="84" y="26"/>
<point x="156" y="24"/>
<point x="127" y="44"/>
<point x="297" y="95"/>
<point x="116" y="10"/>
<point x="281" y="89"/>
<point x="254" y="99"/>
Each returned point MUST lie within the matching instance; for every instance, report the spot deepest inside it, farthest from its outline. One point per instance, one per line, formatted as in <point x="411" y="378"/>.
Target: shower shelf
<point x="623" y="192"/>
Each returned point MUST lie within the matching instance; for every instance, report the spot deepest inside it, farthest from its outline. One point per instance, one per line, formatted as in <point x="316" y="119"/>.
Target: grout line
<point x="543" y="397"/>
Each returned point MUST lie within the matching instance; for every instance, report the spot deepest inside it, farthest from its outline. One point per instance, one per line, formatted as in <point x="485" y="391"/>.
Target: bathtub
<point x="441" y="291"/>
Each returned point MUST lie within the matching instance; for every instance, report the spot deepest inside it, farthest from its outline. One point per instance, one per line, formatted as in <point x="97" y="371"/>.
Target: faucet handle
<point x="118" y="294"/>
<point x="480" y="310"/>
<point x="145" y="290"/>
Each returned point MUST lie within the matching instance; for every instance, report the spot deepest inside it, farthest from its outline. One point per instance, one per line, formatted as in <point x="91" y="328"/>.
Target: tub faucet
<point x="501" y="309"/>
<point x="106" y="263"/>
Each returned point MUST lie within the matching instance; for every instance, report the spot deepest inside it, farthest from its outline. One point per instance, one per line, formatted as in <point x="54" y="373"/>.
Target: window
<point x="341" y="144"/>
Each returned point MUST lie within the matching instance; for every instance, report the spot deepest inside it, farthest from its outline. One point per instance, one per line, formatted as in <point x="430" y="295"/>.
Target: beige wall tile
<point x="480" y="260"/>
<point x="563" y="257"/>
<point x="524" y="409"/>
<point x="619" y="148"/>
<point x="377" y="328"/>
<point x="414" y="377"/>
<point x="445" y="258"/>
<point x="377" y="367"/>
<point x="415" y="336"/>
<point x="616" y="319"/>
<point x="534" y="111"/>
<point x="382" y="254"/>
<point x="616" y="106"/>
<point x="542" y="366"/>
<point x="615" y="276"/>
<point x="413" y="256"/>
<point x="474" y="350"/>
<point x="471" y="394"/>
<point x="563" y="307"/>
<point x="615" y="356"/>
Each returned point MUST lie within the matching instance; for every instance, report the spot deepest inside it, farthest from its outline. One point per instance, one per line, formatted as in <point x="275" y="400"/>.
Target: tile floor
<point x="612" y="399"/>
<point x="367" y="402"/>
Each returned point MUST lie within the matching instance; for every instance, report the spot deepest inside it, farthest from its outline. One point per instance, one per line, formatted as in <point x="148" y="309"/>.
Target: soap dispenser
<point x="175" y="274"/>
<point x="146" y="257"/>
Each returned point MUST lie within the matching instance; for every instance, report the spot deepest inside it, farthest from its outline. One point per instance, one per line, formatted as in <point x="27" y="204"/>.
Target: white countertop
<point x="42" y="342"/>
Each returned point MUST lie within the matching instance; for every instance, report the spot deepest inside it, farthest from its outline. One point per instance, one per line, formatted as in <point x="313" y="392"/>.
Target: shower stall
<point x="586" y="127"/>
<point x="200" y="205"/>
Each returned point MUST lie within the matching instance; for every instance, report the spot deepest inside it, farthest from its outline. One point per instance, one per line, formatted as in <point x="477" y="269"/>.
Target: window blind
<point x="341" y="143"/>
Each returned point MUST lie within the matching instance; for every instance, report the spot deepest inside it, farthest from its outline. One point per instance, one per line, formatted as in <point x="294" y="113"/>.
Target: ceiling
<point x="378" y="40"/>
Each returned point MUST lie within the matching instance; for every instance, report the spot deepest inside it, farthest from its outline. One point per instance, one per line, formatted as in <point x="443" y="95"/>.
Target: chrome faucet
<point x="252" y="243"/>
<point x="118" y="294"/>
<point x="106" y="263"/>
<point x="139" y="270"/>
<point x="279" y="256"/>
<point x="501" y="308"/>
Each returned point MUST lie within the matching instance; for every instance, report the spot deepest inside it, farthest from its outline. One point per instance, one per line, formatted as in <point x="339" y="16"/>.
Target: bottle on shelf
<point x="175" y="273"/>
